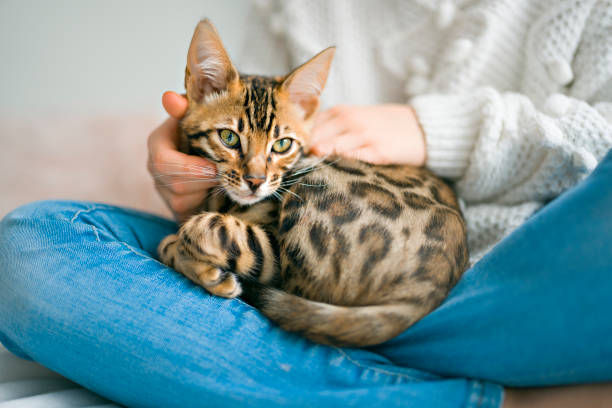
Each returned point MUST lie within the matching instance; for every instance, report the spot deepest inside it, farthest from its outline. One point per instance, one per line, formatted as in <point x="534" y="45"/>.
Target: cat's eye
<point x="229" y="138"/>
<point x="282" y="145"/>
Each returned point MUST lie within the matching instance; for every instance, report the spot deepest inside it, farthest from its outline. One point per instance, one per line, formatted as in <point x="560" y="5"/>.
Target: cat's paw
<point x="167" y="249"/>
<point x="215" y="280"/>
<point x="174" y="252"/>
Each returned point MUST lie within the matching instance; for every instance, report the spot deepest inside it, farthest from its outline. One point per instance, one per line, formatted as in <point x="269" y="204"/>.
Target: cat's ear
<point x="305" y="83"/>
<point x="209" y="68"/>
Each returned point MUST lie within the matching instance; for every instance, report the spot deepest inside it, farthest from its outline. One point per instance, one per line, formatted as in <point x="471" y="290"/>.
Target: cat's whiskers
<point x="185" y="182"/>
<point x="303" y="171"/>
<point x="186" y="175"/>
<point x="216" y="191"/>
<point x="294" y="178"/>
<point x="197" y="169"/>
<point x="297" y="181"/>
<point x="277" y="195"/>
<point x="290" y="192"/>
<point x="182" y="165"/>
<point x="312" y="185"/>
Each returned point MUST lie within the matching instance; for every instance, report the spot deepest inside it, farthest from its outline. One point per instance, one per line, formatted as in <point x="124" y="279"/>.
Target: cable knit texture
<point x="514" y="96"/>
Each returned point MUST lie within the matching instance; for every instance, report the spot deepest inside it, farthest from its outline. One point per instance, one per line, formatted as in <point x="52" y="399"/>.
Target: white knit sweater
<point x="514" y="96"/>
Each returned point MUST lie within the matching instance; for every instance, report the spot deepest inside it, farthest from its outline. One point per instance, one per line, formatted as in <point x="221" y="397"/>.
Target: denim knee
<point x="30" y="226"/>
<point x="25" y="233"/>
<point x="43" y="210"/>
<point x="28" y="223"/>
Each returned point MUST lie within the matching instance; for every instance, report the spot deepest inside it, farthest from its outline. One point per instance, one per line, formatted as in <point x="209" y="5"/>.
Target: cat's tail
<point x="354" y="326"/>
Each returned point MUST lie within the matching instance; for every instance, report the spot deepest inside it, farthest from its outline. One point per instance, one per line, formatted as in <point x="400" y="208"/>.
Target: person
<point x="509" y="100"/>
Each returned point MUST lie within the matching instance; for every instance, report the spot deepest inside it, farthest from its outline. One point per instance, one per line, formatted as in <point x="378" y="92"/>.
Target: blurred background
<point x="81" y="89"/>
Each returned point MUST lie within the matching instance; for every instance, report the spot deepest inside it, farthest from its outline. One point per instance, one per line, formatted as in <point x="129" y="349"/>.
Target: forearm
<point x="499" y="145"/>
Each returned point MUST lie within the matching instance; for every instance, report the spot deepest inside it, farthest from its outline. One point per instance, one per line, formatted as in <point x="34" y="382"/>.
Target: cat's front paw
<point x="167" y="249"/>
<point x="174" y="252"/>
<point x="215" y="280"/>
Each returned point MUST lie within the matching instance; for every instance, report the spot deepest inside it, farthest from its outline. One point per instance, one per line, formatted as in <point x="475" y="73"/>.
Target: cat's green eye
<point x="229" y="138"/>
<point x="282" y="145"/>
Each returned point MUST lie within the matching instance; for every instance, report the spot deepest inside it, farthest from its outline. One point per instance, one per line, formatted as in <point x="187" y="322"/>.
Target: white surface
<point x="102" y="56"/>
<point x="24" y="384"/>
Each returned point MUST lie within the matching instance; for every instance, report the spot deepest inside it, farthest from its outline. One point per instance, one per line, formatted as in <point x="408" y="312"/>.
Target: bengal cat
<point x="343" y="251"/>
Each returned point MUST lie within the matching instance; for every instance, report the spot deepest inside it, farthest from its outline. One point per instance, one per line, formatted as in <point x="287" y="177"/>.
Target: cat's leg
<point x="213" y="249"/>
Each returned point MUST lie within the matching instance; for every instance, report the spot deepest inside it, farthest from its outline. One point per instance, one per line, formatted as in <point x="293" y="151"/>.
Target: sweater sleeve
<point x="499" y="147"/>
<point x="513" y="147"/>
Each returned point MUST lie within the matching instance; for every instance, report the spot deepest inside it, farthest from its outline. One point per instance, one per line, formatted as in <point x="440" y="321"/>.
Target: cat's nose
<point x="254" y="181"/>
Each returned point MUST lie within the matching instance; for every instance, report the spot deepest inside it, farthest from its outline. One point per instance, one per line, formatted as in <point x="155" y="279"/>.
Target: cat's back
<point x="354" y="233"/>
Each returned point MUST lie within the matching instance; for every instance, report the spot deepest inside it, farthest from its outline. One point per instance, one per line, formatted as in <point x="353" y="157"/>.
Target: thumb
<point x="174" y="104"/>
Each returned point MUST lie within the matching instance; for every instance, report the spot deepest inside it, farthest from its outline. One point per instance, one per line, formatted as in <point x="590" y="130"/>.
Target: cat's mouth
<point x="244" y="198"/>
<point x="250" y="198"/>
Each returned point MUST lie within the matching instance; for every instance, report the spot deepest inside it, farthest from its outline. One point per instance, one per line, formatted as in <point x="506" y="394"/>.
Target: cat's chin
<point x="245" y="200"/>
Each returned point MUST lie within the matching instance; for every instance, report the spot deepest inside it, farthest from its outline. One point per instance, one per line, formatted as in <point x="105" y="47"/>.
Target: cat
<point x="345" y="252"/>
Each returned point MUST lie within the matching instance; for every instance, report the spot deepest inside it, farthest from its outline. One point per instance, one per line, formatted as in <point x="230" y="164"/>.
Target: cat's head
<point x="254" y="128"/>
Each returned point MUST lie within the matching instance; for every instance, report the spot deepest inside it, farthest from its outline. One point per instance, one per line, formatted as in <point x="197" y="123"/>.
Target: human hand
<point x="378" y="134"/>
<point x="182" y="180"/>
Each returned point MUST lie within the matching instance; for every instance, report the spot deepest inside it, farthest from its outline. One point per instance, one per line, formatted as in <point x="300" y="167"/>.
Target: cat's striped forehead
<point x="260" y="102"/>
<point x="256" y="107"/>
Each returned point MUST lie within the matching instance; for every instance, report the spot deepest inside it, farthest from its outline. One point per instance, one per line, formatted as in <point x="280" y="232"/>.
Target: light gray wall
<point x="101" y="56"/>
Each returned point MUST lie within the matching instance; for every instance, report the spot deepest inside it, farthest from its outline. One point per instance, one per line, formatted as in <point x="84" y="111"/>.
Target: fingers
<point x="326" y="132"/>
<point x="332" y="133"/>
<point x="182" y="180"/>
<point x="326" y="128"/>
<point x="376" y="133"/>
<point x="340" y="144"/>
<point x="179" y="172"/>
<point x="174" y="104"/>
<point x="166" y="136"/>
<point x="328" y="114"/>
<point x="367" y="154"/>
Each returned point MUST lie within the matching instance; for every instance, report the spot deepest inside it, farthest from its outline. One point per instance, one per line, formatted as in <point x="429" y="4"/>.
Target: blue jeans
<point x="82" y="293"/>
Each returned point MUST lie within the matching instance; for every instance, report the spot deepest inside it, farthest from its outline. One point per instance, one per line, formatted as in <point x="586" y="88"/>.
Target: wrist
<point x="420" y="144"/>
<point x="450" y="124"/>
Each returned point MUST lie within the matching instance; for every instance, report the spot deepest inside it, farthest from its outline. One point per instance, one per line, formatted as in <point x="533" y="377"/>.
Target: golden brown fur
<point x="343" y="251"/>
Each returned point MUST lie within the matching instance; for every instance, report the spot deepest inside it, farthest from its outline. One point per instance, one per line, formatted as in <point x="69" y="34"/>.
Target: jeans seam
<point x="121" y="243"/>
<point x="104" y="207"/>
<point x="76" y="214"/>
<point x="93" y="227"/>
<point x="483" y="395"/>
<point x="97" y="234"/>
<point x="129" y="248"/>
<point x="95" y="230"/>
<point x="477" y="392"/>
<point x="376" y="369"/>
